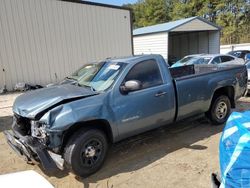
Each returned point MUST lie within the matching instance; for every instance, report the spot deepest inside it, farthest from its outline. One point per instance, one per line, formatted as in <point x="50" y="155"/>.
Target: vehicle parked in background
<point x="239" y="53"/>
<point x="72" y="125"/>
<point x="186" y="59"/>
<point x="247" y="57"/>
<point x="247" y="60"/>
<point x="248" y="73"/>
<point x="207" y="59"/>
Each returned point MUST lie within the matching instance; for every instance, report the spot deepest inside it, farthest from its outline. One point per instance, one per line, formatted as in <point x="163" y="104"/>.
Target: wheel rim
<point x="91" y="152"/>
<point x="221" y="110"/>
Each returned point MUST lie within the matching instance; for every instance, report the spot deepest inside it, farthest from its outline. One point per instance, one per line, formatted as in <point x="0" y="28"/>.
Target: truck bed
<point x="187" y="71"/>
<point x="195" y="85"/>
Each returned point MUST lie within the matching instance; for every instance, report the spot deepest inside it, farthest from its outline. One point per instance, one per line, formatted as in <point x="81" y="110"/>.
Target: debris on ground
<point x="21" y="86"/>
<point x="3" y="90"/>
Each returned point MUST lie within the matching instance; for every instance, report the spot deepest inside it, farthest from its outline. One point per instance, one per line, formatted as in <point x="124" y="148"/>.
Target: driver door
<point x="148" y="107"/>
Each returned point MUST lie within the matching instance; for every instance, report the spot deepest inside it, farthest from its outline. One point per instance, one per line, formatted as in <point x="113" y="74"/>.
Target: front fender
<point x="61" y="118"/>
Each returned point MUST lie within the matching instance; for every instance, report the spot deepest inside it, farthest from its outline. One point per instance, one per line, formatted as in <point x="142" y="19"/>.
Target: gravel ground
<point x="178" y="155"/>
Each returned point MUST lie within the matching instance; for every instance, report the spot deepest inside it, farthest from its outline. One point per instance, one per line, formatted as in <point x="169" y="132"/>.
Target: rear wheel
<point x="219" y="110"/>
<point x="86" y="151"/>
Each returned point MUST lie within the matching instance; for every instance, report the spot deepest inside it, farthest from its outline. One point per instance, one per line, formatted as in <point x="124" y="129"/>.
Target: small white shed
<point x="178" y="38"/>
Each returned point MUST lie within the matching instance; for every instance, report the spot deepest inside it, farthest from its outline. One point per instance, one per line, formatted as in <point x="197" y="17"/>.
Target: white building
<point x="233" y="47"/>
<point x="178" y="38"/>
<point x="42" y="41"/>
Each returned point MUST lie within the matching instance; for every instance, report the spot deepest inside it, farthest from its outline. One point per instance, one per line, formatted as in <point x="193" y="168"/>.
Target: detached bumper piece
<point x="31" y="150"/>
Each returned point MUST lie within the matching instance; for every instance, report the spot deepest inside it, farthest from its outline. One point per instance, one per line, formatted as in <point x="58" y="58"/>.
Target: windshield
<point x="202" y="60"/>
<point x="104" y="77"/>
<point x="86" y="71"/>
<point x="185" y="59"/>
<point x="190" y="60"/>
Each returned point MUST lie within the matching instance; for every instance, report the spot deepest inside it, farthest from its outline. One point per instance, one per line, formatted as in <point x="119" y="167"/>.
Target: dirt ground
<point x="178" y="155"/>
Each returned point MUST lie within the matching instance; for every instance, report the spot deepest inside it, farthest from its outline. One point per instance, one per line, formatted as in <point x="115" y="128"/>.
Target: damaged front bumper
<point x="33" y="151"/>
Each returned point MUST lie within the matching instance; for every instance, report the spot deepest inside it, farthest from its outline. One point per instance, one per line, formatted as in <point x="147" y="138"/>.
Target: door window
<point x="147" y="72"/>
<point x="226" y="58"/>
<point x="216" y="60"/>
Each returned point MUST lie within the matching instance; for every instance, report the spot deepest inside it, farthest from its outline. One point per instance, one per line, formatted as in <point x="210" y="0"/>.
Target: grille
<point x="21" y="125"/>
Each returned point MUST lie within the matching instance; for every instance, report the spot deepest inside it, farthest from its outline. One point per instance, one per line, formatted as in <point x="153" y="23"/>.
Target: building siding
<point x="151" y="44"/>
<point x="178" y="44"/>
<point x="231" y="47"/>
<point x="214" y="42"/>
<point x="184" y="44"/>
<point x="203" y="42"/>
<point x="195" y="25"/>
<point x="42" y="41"/>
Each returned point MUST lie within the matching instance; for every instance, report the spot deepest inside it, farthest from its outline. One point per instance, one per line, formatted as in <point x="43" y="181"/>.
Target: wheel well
<point x="228" y="91"/>
<point x="94" y="124"/>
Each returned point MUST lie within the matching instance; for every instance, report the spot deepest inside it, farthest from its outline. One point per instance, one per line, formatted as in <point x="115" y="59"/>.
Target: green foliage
<point x="232" y="15"/>
<point x="149" y="12"/>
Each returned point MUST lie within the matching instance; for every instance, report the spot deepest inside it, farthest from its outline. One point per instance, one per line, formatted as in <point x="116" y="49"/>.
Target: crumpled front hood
<point x="34" y="103"/>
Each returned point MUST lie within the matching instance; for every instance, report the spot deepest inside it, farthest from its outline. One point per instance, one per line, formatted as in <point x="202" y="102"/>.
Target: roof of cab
<point x="128" y="59"/>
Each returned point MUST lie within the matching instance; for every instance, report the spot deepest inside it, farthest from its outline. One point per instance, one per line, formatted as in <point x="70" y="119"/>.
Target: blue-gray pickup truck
<point x="72" y="125"/>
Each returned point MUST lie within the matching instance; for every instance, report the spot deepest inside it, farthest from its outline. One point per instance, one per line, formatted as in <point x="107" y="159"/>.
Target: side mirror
<point x="131" y="85"/>
<point x="247" y="57"/>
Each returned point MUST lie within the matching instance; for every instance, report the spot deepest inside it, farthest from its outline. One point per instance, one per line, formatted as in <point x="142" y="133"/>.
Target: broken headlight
<point x="38" y="129"/>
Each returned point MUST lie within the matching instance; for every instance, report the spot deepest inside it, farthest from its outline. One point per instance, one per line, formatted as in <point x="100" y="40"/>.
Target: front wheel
<point x="86" y="151"/>
<point x="219" y="110"/>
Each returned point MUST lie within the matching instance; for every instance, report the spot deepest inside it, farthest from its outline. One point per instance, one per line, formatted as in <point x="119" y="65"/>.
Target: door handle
<point x="160" y="93"/>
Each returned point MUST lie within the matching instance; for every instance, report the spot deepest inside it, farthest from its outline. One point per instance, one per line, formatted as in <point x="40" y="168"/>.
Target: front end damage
<point x="42" y="118"/>
<point x="30" y="142"/>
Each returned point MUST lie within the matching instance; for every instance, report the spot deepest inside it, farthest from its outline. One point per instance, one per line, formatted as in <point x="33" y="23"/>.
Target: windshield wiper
<point x="91" y="87"/>
<point x="70" y="78"/>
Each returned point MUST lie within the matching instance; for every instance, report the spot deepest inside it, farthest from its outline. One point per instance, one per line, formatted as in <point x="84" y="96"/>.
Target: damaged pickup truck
<point x="73" y="125"/>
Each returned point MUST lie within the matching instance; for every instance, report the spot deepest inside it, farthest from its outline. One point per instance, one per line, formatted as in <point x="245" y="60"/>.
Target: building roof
<point x="167" y="27"/>
<point x="88" y="2"/>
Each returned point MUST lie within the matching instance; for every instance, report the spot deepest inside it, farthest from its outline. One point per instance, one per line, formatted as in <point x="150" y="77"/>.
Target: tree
<point x="232" y="15"/>
<point x="234" y="18"/>
<point x="149" y="12"/>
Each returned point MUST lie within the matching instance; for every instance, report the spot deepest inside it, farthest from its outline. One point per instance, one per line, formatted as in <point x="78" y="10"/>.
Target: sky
<point x="114" y="2"/>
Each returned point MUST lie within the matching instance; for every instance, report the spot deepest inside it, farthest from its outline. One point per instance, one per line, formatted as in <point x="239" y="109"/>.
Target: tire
<point x="219" y="110"/>
<point x="85" y="152"/>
